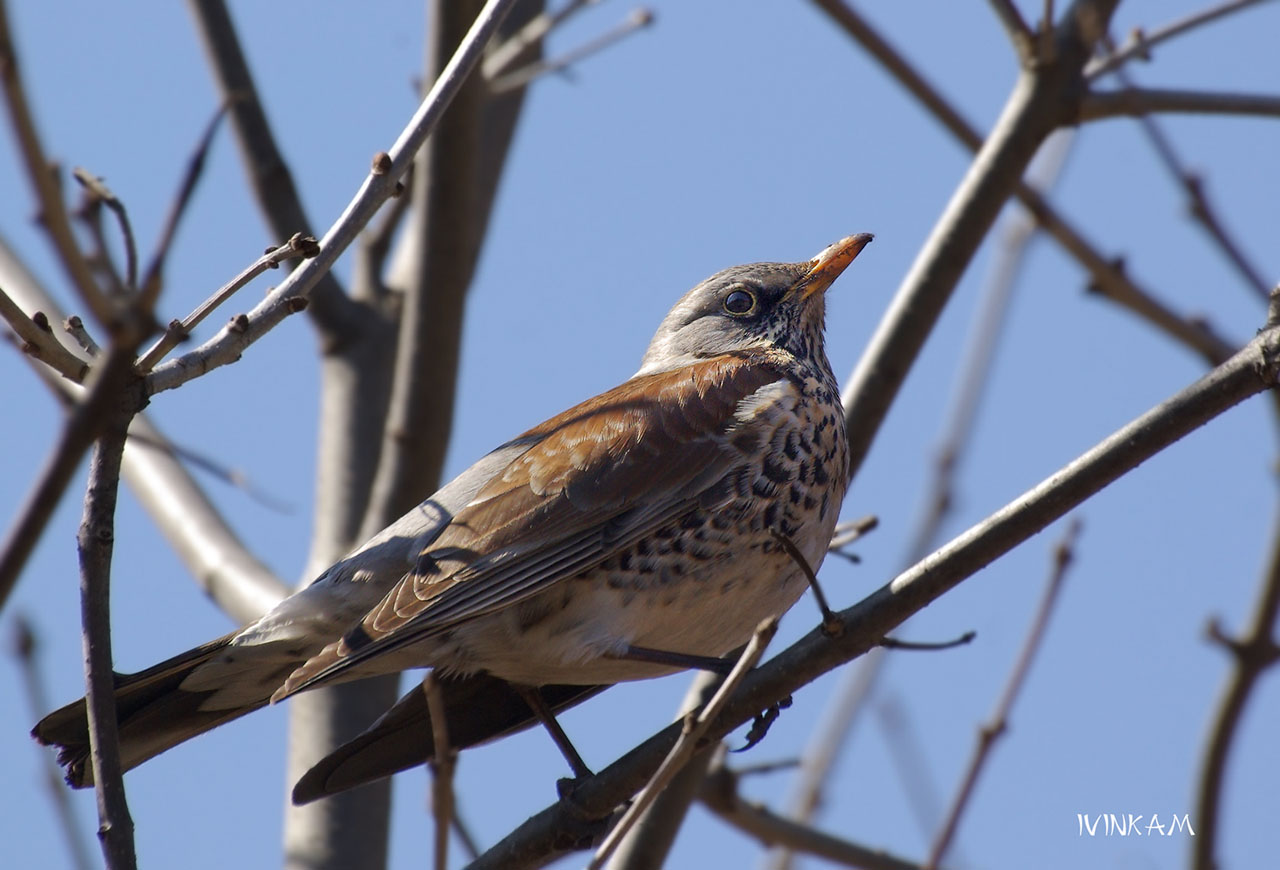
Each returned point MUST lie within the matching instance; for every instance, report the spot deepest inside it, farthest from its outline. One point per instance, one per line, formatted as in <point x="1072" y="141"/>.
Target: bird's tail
<point x="153" y="713"/>
<point x="478" y="708"/>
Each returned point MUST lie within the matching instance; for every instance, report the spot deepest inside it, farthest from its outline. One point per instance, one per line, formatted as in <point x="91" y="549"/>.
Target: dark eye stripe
<point x="739" y="302"/>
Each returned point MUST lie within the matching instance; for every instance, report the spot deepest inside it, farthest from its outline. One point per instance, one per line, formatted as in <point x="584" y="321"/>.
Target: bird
<point x="641" y="532"/>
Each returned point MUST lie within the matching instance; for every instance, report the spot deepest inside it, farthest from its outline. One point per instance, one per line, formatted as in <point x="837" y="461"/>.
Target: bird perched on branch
<point x="643" y="531"/>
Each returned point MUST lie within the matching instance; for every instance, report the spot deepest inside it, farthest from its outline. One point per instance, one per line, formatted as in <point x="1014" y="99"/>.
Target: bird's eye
<point x="739" y="302"/>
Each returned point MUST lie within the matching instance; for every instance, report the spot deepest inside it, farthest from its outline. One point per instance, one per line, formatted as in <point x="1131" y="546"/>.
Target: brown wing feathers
<point x="547" y="516"/>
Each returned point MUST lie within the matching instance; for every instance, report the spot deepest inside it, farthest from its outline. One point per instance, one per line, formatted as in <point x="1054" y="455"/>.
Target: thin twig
<point x="99" y="256"/>
<point x="299" y="246"/>
<point x="75" y="328"/>
<point x="1136" y="102"/>
<point x="908" y="755"/>
<point x="77" y="434"/>
<point x="153" y="277"/>
<point x="1014" y="25"/>
<point x="978" y="358"/>
<point x="232" y="477"/>
<point x="1252" y="655"/>
<point x="1251" y="371"/>
<point x="1107" y="274"/>
<point x="267" y="170"/>
<point x="42" y="344"/>
<point x="720" y="794"/>
<point x="99" y="192"/>
<point x="24" y="650"/>
<point x="1140" y="43"/>
<point x="442" y="764"/>
<point x="850" y="531"/>
<point x="637" y="20"/>
<point x="648" y="844"/>
<point x="1063" y="555"/>
<point x="503" y="55"/>
<point x="1193" y="186"/>
<point x="217" y="559"/>
<point x="693" y="728"/>
<point x="229" y="343"/>
<point x="53" y="212"/>
<point x="928" y="645"/>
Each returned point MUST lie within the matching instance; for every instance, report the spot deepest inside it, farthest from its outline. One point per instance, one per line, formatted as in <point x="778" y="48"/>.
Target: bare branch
<point x="99" y="192"/>
<point x="24" y="650"/>
<point x="529" y="36"/>
<point x="1251" y="371"/>
<point x="442" y="765"/>
<point x="299" y="246"/>
<point x="720" y="795"/>
<point x="74" y="327"/>
<point x="1252" y="656"/>
<point x="638" y="20"/>
<point x="452" y="197"/>
<point x="648" y="843"/>
<point x="95" y="544"/>
<point x="42" y="344"/>
<point x="1106" y="273"/>
<point x="692" y="730"/>
<point x="78" y="434"/>
<point x="238" y="583"/>
<point x="1139" y="44"/>
<point x="269" y="175"/>
<point x="153" y="278"/>
<point x="232" y="340"/>
<point x="53" y="212"/>
<point x="1063" y="555"/>
<point x="1034" y="110"/>
<point x="1136" y="102"/>
<point x="908" y="757"/>
<point x="1014" y="25"/>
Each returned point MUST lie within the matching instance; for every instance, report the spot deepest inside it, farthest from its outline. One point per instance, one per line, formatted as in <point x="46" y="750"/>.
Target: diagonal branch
<point x="269" y="174"/>
<point x="1251" y="371"/>
<point x="1106" y="274"/>
<point x="692" y="730"/>
<point x="153" y="277"/>
<point x="299" y="246"/>
<point x="1140" y="43"/>
<point x="1063" y="555"/>
<point x="226" y="346"/>
<point x="1014" y="25"/>
<point x="720" y="795"/>
<point x="233" y="579"/>
<point x="40" y="343"/>
<point x="53" y="212"/>
<point x="1037" y="106"/>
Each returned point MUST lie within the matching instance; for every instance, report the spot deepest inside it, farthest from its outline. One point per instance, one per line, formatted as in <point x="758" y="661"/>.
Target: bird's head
<point x="758" y="305"/>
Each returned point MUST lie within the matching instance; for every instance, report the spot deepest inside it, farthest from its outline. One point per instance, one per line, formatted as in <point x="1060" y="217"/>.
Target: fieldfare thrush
<point x="633" y="535"/>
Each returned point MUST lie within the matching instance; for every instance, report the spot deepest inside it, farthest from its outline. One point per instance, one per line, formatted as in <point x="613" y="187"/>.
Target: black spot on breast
<point x="775" y="470"/>
<point x="791" y="445"/>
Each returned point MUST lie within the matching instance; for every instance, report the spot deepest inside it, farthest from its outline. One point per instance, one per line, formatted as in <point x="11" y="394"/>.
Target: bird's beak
<point x="827" y="266"/>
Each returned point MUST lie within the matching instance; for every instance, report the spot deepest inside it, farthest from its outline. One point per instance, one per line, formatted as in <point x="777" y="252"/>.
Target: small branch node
<point x="381" y="164"/>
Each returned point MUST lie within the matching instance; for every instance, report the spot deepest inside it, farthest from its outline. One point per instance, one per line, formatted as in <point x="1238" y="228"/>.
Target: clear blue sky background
<point x="726" y="133"/>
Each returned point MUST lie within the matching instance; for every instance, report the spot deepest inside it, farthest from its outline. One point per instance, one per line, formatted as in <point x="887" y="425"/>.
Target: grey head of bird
<point x="778" y="305"/>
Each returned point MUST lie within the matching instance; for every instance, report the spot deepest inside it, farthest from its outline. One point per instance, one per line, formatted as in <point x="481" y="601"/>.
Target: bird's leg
<point x="831" y="625"/>
<point x="674" y="659"/>
<point x="533" y="698"/>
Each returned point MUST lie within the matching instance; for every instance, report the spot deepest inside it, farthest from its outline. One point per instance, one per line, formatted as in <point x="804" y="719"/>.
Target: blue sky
<point x="725" y="133"/>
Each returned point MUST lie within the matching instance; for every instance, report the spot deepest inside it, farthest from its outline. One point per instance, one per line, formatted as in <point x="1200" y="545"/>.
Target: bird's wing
<point x="597" y="478"/>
